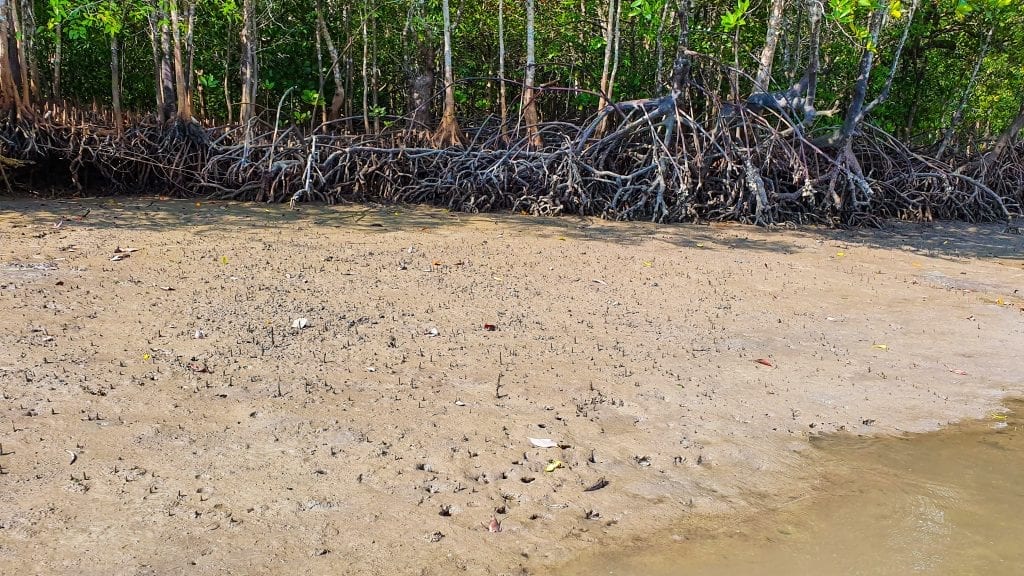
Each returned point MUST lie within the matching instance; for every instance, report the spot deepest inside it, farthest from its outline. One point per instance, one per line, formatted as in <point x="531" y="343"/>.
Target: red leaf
<point x="490" y="327"/>
<point x="764" y="362"/>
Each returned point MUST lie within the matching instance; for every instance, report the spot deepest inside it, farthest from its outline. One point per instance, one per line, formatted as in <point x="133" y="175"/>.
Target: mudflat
<point x="212" y="388"/>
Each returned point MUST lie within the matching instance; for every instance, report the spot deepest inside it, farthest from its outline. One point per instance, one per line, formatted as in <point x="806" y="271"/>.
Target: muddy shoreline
<point x="164" y="412"/>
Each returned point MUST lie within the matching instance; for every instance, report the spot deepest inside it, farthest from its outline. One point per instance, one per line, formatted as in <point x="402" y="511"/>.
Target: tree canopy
<point x="945" y="77"/>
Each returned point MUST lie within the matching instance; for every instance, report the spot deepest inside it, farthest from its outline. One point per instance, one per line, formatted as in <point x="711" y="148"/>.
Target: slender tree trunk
<point x="180" y="82"/>
<point x="855" y="111"/>
<point x="154" y="40"/>
<point x="24" y="84"/>
<point x="366" y="71"/>
<point x="659" y="67"/>
<point x="374" y="73"/>
<point x="448" y="132"/>
<point x="322" y="80"/>
<point x="228" y="105"/>
<point x="419" y="67"/>
<point x="617" y="36"/>
<point x="1007" y="137"/>
<point x="529" y="103"/>
<point x="338" y="101"/>
<point x="58" y="56"/>
<point x="681" y="65"/>
<point x="809" y="83"/>
<point x="28" y="25"/>
<point x="10" y="101"/>
<point x="958" y="115"/>
<point x="190" y="47"/>
<point x="249" y="70"/>
<point x="858" y="110"/>
<point x="764" y="68"/>
<point x="115" y="83"/>
<point x="346" y="17"/>
<point x="502" y="89"/>
<point x="609" y="55"/>
<point x="170" y="96"/>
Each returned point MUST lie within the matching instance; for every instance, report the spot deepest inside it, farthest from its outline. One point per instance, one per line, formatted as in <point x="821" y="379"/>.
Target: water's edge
<point x="945" y="502"/>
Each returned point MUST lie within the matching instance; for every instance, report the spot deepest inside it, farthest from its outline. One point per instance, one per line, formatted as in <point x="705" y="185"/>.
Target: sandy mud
<point x="217" y="388"/>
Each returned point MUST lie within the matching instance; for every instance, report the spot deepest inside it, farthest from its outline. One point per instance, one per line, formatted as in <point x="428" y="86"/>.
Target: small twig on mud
<point x="497" y="389"/>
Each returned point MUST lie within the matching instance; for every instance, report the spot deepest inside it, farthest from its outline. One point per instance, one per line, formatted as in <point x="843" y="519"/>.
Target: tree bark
<point x="502" y="88"/>
<point x="10" y="101"/>
<point x="764" y="69"/>
<point x="338" y="100"/>
<point x="448" y="132"/>
<point x="154" y="40"/>
<point x="180" y="82"/>
<point x="374" y="73"/>
<point x="958" y="114"/>
<point x="170" y="96"/>
<point x="28" y="25"/>
<point x="681" y="65"/>
<point x="1007" y="137"/>
<point x="115" y="83"/>
<point x="22" y="78"/>
<point x="659" y="73"/>
<point x="610" y="49"/>
<point x="419" y="70"/>
<point x="58" y="56"/>
<point x="529" y="104"/>
<point x="855" y="112"/>
<point x="366" y="66"/>
<point x="249" y="69"/>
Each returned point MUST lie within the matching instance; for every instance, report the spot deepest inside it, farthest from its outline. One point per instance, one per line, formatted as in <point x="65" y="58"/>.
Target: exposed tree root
<point x="657" y="161"/>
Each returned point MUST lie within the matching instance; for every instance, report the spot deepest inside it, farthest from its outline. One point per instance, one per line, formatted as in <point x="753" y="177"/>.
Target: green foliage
<point x="934" y="70"/>
<point x="737" y="17"/>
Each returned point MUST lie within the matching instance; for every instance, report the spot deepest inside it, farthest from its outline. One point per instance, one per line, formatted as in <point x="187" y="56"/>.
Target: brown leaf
<point x="764" y="362"/>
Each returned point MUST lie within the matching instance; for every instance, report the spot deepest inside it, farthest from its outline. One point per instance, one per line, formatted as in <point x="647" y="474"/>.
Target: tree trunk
<point x="366" y="72"/>
<point x="763" y="79"/>
<point x="249" y="70"/>
<point x="418" y="50"/>
<point x="1007" y="137"/>
<point x="58" y="56"/>
<point x="529" y="104"/>
<point x="609" y="55"/>
<point x="855" y="112"/>
<point x="374" y="73"/>
<point x="958" y="115"/>
<point x="180" y="82"/>
<point x="10" y="101"/>
<point x="24" y="83"/>
<point x="228" y="105"/>
<point x="170" y="97"/>
<point x="338" y="101"/>
<point x="502" y="89"/>
<point x="28" y="25"/>
<point x="349" y="66"/>
<point x="190" y="48"/>
<point x="154" y="40"/>
<point x="659" y="72"/>
<point x="815" y="13"/>
<point x="448" y="132"/>
<point x="681" y="65"/>
<point x="115" y="83"/>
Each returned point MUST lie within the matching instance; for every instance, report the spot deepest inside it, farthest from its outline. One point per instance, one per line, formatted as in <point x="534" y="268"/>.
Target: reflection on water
<point x="947" y="503"/>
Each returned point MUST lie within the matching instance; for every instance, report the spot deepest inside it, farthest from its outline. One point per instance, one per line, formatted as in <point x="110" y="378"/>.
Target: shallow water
<point x="949" y="503"/>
